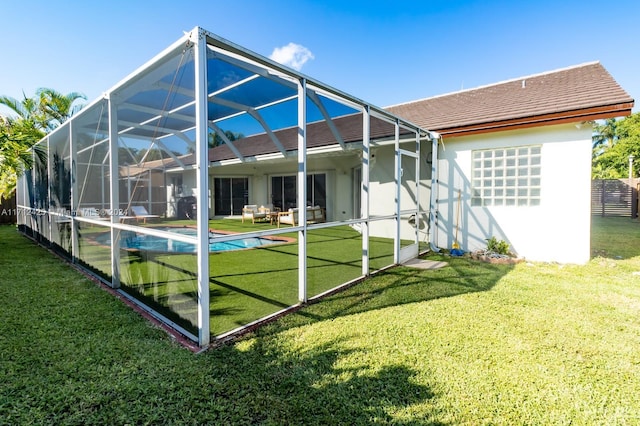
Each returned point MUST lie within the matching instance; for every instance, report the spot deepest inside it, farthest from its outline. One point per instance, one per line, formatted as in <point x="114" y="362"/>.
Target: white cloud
<point x="292" y="55"/>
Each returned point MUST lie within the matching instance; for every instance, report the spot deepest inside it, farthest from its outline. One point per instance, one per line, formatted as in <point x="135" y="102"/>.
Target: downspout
<point x="433" y="213"/>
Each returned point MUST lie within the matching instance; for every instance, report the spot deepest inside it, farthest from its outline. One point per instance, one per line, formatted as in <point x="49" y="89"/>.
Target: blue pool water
<point x="133" y="240"/>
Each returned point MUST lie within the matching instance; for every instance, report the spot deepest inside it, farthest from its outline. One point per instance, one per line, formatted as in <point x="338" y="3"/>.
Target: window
<point x="506" y="177"/>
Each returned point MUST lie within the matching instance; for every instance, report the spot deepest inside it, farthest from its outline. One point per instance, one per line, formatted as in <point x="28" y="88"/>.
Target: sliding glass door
<point x="283" y="191"/>
<point x="231" y="194"/>
<point x="317" y="190"/>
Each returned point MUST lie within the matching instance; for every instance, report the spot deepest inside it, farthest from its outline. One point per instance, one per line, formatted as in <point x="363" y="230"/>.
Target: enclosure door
<point x="407" y="232"/>
<point x="231" y="195"/>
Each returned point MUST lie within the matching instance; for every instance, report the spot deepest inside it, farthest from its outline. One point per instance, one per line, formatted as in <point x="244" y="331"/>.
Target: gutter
<point x="586" y="114"/>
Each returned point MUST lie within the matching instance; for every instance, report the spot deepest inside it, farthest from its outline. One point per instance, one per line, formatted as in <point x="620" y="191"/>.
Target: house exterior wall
<point x="337" y="169"/>
<point x="189" y="186"/>
<point x="340" y="187"/>
<point x="383" y="192"/>
<point x="558" y="229"/>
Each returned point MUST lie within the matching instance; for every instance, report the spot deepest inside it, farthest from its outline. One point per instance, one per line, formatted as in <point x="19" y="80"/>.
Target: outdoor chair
<point x="140" y="212"/>
<point x="314" y="214"/>
<point x="253" y="212"/>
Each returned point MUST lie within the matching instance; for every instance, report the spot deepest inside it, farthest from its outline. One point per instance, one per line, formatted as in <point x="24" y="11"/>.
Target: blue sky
<point x="384" y="52"/>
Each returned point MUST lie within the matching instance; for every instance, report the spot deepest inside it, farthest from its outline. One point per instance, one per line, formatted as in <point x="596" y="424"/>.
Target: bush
<point x="497" y="246"/>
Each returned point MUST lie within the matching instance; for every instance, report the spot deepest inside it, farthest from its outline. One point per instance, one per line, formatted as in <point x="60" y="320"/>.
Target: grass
<point x="472" y="343"/>
<point x="244" y="285"/>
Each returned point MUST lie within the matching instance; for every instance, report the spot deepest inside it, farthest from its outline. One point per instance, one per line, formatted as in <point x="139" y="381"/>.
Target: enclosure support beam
<point x="162" y="146"/>
<point x="49" y="174"/>
<point x="418" y="214"/>
<point x="364" y="191"/>
<point x="302" y="190"/>
<point x="102" y="192"/>
<point x="226" y="140"/>
<point x="253" y="113"/>
<point x="634" y="192"/>
<point x="114" y="190"/>
<point x="327" y="118"/>
<point x="433" y="201"/>
<point x="398" y="182"/>
<point x="149" y="192"/>
<point x="267" y="129"/>
<point x="74" y="193"/>
<point x="202" y="179"/>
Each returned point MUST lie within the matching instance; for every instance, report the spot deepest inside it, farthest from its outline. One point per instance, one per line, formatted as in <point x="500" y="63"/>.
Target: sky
<point x="384" y="52"/>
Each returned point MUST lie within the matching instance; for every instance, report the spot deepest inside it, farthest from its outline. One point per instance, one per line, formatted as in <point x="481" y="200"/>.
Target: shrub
<point x="497" y="246"/>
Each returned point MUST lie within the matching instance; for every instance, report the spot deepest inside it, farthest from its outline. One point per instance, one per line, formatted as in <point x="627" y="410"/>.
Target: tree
<point x="605" y="135"/>
<point x="216" y="140"/>
<point x="56" y="107"/>
<point x="16" y="141"/>
<point x="47" y="110"/>
<point x="34" y="117"/>
<point x="614" y="142"/>
<point x="27" y="110"/>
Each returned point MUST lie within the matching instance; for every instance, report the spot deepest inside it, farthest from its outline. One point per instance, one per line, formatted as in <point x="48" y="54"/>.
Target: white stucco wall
<point x="337" y="169"/>
<point x="557" y="230"/>
<point x="340" y="185"/>
<point x="189" y="184"/>
<point x="383" y="192"/>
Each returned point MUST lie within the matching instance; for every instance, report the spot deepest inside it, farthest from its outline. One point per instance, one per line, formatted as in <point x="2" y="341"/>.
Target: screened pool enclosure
<point x="216" y="188"/>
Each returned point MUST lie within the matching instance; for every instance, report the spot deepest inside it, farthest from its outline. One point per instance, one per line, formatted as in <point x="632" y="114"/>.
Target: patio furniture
<point x="273" y="214"/>
<point x="253" y="212"/>
<point x="187" y="207"/>
<point x="140" y="212"/>
<point x="314" y="214"/>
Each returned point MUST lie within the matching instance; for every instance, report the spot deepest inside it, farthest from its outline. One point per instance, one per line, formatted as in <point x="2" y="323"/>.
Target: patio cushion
<point x="253" y="212"/>
<point x="314" y="214"/>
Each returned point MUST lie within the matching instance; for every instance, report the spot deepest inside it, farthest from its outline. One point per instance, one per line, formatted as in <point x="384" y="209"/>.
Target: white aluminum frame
<point x="202" y="160"/>
<point x="200" y="43"/>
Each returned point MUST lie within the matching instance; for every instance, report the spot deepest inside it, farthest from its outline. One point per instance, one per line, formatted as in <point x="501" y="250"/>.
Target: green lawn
<point x="468" y="344"/>
<point x="245" y="285"/>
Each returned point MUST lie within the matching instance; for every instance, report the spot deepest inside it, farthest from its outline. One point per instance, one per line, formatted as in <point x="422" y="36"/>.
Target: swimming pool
<point x="130" y="240"/>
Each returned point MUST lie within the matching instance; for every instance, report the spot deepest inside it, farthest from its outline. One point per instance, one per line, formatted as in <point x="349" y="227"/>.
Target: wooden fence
<point x="614" y="197"/>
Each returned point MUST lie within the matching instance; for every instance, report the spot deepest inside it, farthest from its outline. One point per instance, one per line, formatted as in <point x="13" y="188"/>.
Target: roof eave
<point x="579" y="115"/>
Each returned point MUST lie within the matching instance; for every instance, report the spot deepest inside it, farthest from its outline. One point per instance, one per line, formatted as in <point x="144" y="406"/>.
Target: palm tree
<point x="47" y="110"/>
<point x="16" y="142"/>
<point x="34" y="117"/>
<point x="605" y="135"/>
<point x="56" y="107"/>
<point x="27" y="110"/>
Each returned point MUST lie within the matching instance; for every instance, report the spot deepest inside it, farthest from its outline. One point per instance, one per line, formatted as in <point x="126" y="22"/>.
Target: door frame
<point x="406" y="209"/>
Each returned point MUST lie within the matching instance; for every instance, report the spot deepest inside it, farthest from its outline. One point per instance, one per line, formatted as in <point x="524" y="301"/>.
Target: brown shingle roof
<point x="579" y="93"/>
<point x="318" y="135"/>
